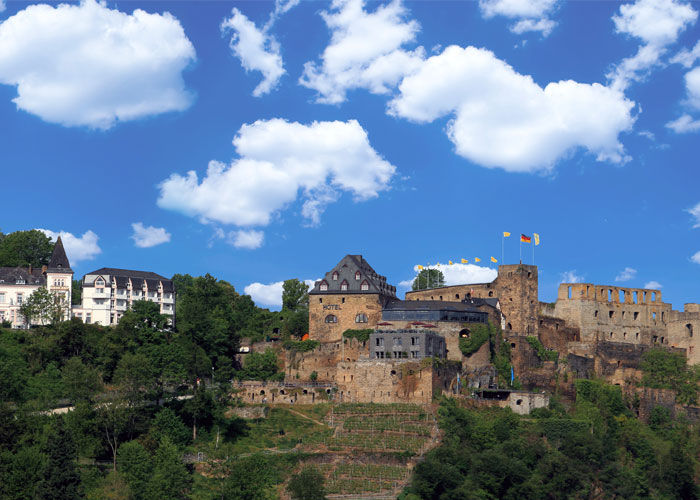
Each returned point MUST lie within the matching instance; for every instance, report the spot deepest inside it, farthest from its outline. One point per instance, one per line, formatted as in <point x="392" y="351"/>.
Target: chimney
<point x="30" y="269"/>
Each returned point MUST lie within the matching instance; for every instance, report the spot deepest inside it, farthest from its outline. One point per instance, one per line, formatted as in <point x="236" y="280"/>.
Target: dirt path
<point x="307" y="417"/>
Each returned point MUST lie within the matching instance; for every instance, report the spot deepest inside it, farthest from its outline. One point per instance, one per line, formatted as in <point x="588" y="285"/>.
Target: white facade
<point x="18" y="284"/>
<point x="108" y="293"/>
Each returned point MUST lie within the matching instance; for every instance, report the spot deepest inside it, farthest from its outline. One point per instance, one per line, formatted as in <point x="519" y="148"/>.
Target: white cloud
<point x="686" y="57"/>
<point x="626" y="275"/>
<point x="2" y="6"/>
<point x="460" y="274"/>
<point x="279" y="162"/>
<point x="695" y="212"/>
<point x="249" y="239"/>
<point x="77" y="249"/>
<point x="696" y="258"/>
<point x="531" y="15"/>
<point x="364" y="51"/>
<point x="504" y="119"/>
<point x="257" y="50"/>
<point x="571" y="277"/>
<point x="89" y="65"/>
<point x="657" y="23"/>
<point x="269" y="295"/>
<point x="653" y="285"/>
<point x="684" y="124"/>
<point x="146" y="237"/>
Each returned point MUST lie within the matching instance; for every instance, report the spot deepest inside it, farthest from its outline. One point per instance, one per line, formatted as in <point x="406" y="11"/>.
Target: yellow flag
<point x="506" y="234"/>
<point x="465" y="261"/>
<point x="450" y="262"/>
<point x="537" y="238"/>
<point x="420" y="268"/>
<point x="493" y="259"/>
<point x="477" y="259"/>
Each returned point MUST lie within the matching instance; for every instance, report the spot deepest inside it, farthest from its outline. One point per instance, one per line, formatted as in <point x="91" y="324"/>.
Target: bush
<point x="540" y="350"/>
<point x="301" y="345"/>
<point x="479" y="335"/>
<point x="360" y="335"/>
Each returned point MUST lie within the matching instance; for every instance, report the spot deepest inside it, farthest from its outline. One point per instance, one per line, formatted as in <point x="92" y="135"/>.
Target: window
<point x="611" y="314"/>
<point x="344" y="285"/>
<point x="323" y="286"/>
<point x="2" y="298"/>
<point x="361" y="318"/>
<point x="335" y="276"/>
<point x="636" y="314"/>
<point x="20" y="281"/>
<point x="357" y="275"/>
<point x="19" y="299"/>
<point x="688" y="327"/>
<point x="379" y="342"/>
<point x="331" y="318"/>
<point x="99" y="282"/>
<point x="364" y="286"/>
<point x="88" y="318"/>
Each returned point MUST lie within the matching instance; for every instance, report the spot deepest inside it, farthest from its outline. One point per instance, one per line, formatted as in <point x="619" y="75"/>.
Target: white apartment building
<point x="18" y="283"/>
<point x="109" y="292"/>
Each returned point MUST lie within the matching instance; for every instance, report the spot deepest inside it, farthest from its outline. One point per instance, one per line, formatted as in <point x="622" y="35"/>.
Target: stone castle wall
<point x="516" y="287"/>
<point x="345" y="307"/>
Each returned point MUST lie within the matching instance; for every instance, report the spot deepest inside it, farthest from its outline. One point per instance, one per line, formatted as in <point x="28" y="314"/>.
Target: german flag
<point x="525" y="239"/>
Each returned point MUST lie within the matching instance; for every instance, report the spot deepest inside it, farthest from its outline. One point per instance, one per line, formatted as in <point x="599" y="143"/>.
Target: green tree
<point x="25" y="248"/>
<point x="258" y="366"/>
<point x="113" y="417"/>
<point x="61" y="480"/>
<point x="307" y="485"/>
<point x="167" y="424"/>
<point x="81" y="382"/>
<point x="14" y="373"/>
<point x="136" y="466"/>
<point x="21" y="472"/>
<point x="428" y="278"/>
<point x="295" y="295"/>
<point x="251" y="478"/>
<point x="170" y="479"/>
<point x="76" y="295"/>
<point x="112" y="487"/>
<point x="43" y="307"/>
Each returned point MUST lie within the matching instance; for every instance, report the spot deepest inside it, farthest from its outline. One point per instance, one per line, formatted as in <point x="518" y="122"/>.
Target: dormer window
<point x="364" y="286"/>
<point x="357" y="275"/>
<point x="99" y="282"/>
<point x="335" y="276"/>
<point x="344" y="285"/>
<point x="20" y="281"/>
<point x="323" y="286"/>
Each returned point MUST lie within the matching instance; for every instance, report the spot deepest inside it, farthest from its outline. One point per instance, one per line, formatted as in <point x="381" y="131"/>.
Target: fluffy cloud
<point x="256" y="49"/>
<point x="684" y="124"/>
<point x="364" y="51"/>
<point x="89" y="65"/>
<point x="77" y="249"/>
<point x="696" y="258"/>
<point x="269" y="295"/>
<point x="249" y="239"/>
<point x="504" y="119"/>
<point x="278" y="161"/>
<point x="626" y="275"/>
<point x="571" y="277"/>
<point x="146" y="237"/>
<point x="653" y="285"/>
<point x="531" y="15"/>
<point x="657" y="23"/>
<point x="686" y="57"/>
<point x="695" y="212"/>
<point x="460" y="274"/>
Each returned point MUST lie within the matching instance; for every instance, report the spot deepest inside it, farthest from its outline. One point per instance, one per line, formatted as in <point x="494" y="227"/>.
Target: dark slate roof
<point x="10" y="276"/>
<point x="346" y="269"/>
<point x="128" y="273"/>
<point x="59" y="259"/>
<point x="122" y="277"/>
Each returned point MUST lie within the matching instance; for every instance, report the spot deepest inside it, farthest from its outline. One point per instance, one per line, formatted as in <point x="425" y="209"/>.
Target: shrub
<point x="540" y="350"/>
<point x="360" y="335"/>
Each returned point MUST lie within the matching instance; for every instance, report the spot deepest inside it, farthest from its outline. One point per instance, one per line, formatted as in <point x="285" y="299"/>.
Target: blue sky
<point x="409" y="132"/>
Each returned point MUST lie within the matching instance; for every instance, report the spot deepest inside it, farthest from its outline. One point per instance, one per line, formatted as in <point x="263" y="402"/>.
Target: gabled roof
<point x="122" y="277"/>
<point x="346" y="270"/>
<point x="59" y="259"/>
<point x="10" y="276"/>
<point x="112" y="271"/>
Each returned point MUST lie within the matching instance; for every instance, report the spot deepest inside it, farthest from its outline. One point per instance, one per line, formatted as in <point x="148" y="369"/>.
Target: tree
<point x="136" y="465"/>
<point x="258" y="366"/>
<point x="307" y="485"/>
<point x="43" y="307"/>
<point x="80" y="381"/>
<point x="251" y="478"/>
<point x="170" y="479"/>
<point x="25" y="248"/>
<point x="428" y="278"/>
<point x="113" y="417"/>
<point x="61" y="480"/>
<point x="76" y="296"/>
<point x="167" y="424"/>
<point x="295" y="295"/>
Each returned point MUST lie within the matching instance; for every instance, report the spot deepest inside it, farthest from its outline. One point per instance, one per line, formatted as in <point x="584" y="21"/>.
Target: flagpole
<point x="521" y="249"/>
<point x="533" y="252"/>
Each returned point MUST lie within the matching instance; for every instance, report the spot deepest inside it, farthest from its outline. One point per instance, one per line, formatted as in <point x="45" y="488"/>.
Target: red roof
<point x="385" y="324"/>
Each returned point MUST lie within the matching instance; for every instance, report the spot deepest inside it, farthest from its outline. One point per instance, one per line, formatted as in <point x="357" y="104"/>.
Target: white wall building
<point x="18" y="283"/>
<point x="109" y="292"/>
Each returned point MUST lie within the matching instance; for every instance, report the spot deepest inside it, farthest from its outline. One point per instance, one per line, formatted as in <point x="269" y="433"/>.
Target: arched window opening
<point x="344" y="285"/>
<point x="364" y="285"/>
<point x="689" y="328"/>
<point x="464" y="333"/>
<point x="509" y="327"/>
<point x="335" y="276"/>
<point x="357" y="275"/>
<point x="361" y="318"/>
<point x="323" y="286"/>
<point x="331" y="318"/>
